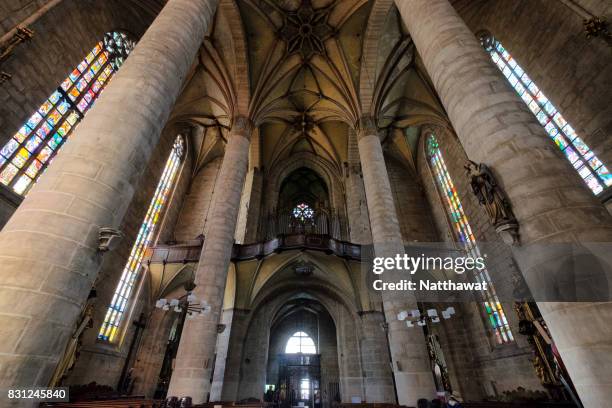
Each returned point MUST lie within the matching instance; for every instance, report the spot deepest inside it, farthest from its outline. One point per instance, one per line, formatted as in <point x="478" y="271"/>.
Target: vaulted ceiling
<point x="305" y="71"/>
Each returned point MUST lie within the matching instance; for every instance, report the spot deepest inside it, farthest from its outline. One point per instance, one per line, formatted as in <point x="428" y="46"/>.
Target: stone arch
<point x="241" y="71"/>
<point x="344" y="316"/>
<point x="325" y="169"/>
<point x="374" y="29"/>
<point x="339" y="284"/>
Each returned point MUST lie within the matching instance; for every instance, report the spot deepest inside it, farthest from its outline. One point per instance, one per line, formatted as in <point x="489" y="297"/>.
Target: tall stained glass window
<point x="492" y="306"/>
<point x="26" y="156"/>
<point x="116" y="310"/>
<point x="590" y="168"/>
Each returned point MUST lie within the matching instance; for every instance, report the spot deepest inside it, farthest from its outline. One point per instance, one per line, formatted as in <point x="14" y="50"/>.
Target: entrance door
<point x="299" y="380"/>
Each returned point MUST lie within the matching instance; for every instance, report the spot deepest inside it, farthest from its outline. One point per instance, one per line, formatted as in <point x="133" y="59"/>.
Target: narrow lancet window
<point x="462" y="230"/>
<point x="119" y="304"/>
<point x="594" y="173"/>
<point x="26" y="156"/>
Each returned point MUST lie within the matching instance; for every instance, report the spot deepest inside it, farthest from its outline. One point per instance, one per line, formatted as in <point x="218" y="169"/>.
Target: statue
<point x="489" y="195"/>
<point x="71" y="352"/>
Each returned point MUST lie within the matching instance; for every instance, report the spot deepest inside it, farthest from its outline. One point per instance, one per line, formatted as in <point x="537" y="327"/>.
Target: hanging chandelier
<point x="188" y="304"/>
<point x="414" y="316"/>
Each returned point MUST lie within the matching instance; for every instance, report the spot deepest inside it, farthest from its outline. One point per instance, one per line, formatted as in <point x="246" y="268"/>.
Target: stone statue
<point x="491" y="197"/>
<point x="72" y="349"/>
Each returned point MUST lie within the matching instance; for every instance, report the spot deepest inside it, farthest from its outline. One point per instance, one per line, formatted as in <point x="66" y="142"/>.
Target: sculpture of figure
<point x="71" y="352"/>
<point x="489" y="195"/>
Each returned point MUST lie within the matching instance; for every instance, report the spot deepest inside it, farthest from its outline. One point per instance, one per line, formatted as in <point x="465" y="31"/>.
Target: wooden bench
<point x="116" y="403"/>
<point x="368" y="405"/>
<point x="526" y="404"/>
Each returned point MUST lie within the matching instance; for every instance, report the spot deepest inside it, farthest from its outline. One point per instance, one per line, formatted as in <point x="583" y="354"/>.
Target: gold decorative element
<point x="71" y="352"/>
<point x="436" y="357"/>
<point x="597" y="27"/>
<point x="23" y="34"/>
<point x="546" y="362"/>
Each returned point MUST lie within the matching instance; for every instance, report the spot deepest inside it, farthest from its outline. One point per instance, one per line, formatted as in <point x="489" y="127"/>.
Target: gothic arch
<point x="325" y="169"/>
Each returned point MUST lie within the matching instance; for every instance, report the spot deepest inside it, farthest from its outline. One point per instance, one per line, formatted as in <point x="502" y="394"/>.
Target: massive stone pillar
<point x="49" y="248"/>
<point x="196" y="355"/>
<point x="551" y="203"/>
<point x="411" y="367"/>
<point x="223" y="342"/>
<point x="375" y="359"/>
<point x="356" y="205"/>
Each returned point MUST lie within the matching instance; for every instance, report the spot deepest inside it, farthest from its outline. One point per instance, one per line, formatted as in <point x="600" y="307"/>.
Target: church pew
<point x="118" y="403"/>
<point x="368" y="405"/>
<point x="527" y="404"/>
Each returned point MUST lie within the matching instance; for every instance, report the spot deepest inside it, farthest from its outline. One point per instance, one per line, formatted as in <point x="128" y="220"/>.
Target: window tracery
<point x="119" y="303"/>
<point x="594" y="173"/>
<point x="462" y="229"/>
<point x="302" y="212"/>
<point x="300" y="342"/>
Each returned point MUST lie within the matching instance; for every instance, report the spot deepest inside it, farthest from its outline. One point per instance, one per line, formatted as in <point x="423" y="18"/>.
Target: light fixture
<point x="414" y="316"/>
<point x="187" y="304"/>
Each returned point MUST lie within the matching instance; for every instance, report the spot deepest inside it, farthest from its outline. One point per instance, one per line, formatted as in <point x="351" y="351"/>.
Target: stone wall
<point x="413" y="211"/>
<point x="195" y="209"/>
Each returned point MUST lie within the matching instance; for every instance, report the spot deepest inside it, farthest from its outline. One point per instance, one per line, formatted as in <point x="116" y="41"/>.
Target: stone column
<point x="223" y="341"/>
<point x="195" y="359"/>
<point x="551" y="203"/>
<point x="411" y="367"/>
<point x="356" y="205"/>
<point x="375" y="359"/>
<point x="49" y="248"/>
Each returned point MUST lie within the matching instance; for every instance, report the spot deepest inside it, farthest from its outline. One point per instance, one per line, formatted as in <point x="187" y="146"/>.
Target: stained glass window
<point x="300" y="342"/>
<point x="590" y="168"/>
<point x="303" y="212"/>
<point x="492" y="306"/>
<point x="26" y="156"/>
<point x="119" y="303"/>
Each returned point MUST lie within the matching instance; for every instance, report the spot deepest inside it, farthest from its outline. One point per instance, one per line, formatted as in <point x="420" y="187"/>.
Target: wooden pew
<point x="526" y="404"/>
<point x="116" y="403"/>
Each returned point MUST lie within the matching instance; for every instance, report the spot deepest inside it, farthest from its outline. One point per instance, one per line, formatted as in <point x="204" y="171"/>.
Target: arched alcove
<point x="303" y="185"/>
<point x="303" y="354"/>
<point x="304" y="206"/>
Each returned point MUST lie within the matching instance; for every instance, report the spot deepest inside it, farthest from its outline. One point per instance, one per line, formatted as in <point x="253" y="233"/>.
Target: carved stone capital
<point x="243" y="126"/>
<point x="366" y="126"/>
<point x="597" y="27"/>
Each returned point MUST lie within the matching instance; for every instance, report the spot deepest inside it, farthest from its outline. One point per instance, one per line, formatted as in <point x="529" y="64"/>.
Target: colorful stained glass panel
<point x="491" y="305"/>
<point x="547" y="114"/>
<point x="116" y="310"/>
